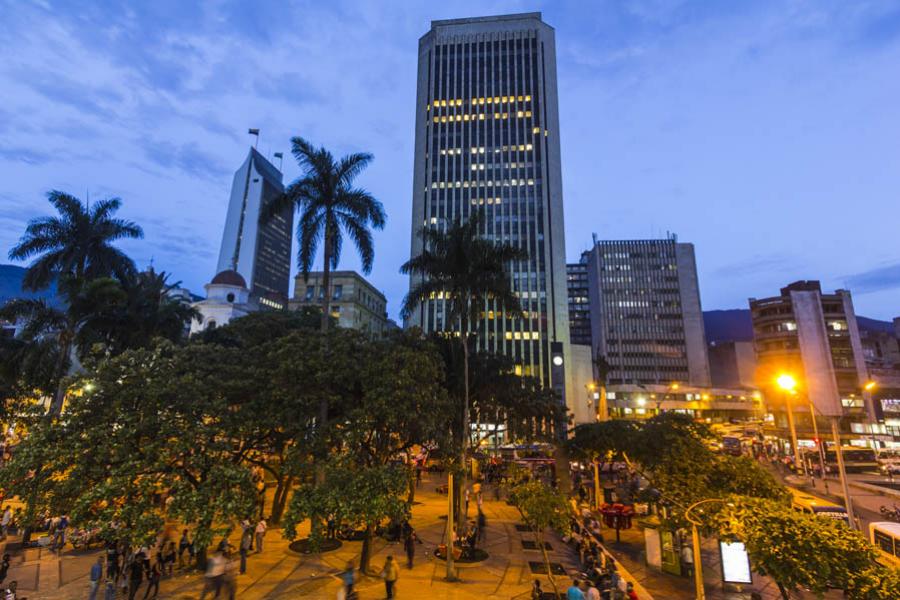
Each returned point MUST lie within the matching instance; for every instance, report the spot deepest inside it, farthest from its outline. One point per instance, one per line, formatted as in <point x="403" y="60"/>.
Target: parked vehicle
<point x="731" y="445"/>
<point x="886" y="538"/>
<point x="806" y="502"/>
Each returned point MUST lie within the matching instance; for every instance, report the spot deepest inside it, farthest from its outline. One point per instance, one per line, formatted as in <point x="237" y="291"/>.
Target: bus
<point x="885" y="536"/>
<point x="856" y="460"/>
<point x="813" y="505"/>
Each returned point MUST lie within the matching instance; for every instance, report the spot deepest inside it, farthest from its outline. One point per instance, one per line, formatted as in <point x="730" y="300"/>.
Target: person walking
<point x="168" y="557"/>
<point x="110" y="593"/>
<point x="246" y="546"/>
<point x="215" y="572"/>
<point x="630" y="593"/>
<point x="409" y="545"/>
<point x="96" y="576"/>
<point x="536" y="592"/>
<point x="590" y="591"/>
<point x="482" y="525"/>
<point x="260" y="534"/>
<point x="348" y="577"/>
<point x="135" y="574"/>
<point x="4" y="567"/>
<point x="112" y="561"/>
<point x="390" y="573"/>
<point x="687" y="560"/>
<point x="5" y="521"/>
<point x="154" y="573"/>
<point x="184" y="545"/>
<point x="574" y="592"/>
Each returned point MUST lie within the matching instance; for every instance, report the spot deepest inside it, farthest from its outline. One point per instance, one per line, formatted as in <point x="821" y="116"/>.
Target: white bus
<point x="886" y="537"/>
<point x="813" y="505"/>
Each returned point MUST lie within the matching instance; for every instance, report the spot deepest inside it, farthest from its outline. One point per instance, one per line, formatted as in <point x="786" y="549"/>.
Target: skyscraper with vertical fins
<point x="260" y="253"/>
<point x="487" y="138"/>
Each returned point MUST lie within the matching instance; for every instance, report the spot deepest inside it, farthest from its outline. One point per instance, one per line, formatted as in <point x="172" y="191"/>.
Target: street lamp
<point x="695" y="539"/>
<point x="869" y="401"/>
<point x="788" y="384"/>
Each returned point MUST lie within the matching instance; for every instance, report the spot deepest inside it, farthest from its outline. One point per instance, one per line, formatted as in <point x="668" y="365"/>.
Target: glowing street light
<point x="787" y="383"/>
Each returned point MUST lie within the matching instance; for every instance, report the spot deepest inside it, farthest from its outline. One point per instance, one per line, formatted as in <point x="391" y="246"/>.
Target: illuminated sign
<point x="735" y="563"/>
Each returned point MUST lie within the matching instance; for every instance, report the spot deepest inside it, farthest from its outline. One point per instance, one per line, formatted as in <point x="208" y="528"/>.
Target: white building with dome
<point x="227" y="298"/>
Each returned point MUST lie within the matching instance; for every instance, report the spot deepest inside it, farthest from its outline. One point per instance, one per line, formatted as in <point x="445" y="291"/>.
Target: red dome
<point x="229" y="277"/>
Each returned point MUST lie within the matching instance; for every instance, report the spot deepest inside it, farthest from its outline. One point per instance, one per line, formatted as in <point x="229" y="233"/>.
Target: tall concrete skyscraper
<point x="260" y="253"/>
<point x="487" y="138"/>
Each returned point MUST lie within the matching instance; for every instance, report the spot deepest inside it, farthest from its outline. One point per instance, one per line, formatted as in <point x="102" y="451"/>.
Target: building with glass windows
<point x="646" y="318"/>
<point x="487" y="139"/>
<point x="260" y="253"/>
<point x="579" y="301"/>
<point x="355" y="303"/>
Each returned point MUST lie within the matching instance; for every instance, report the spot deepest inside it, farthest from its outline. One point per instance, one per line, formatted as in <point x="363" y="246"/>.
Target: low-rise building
<point x="227" y="298"/>
<point x="711" y="404"/>
<point x="354" y="302"/>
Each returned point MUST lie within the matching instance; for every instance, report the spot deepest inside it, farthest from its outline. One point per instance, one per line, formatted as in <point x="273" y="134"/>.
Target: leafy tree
<point x="605" y="441"/>
<point x="75" y="243"/>
<point x="329" y="205"/>
<point x="258" y="328"/>
<point x="470" y="272"/>
<point x="541" y="508"/>
<point x="795" y="549"/>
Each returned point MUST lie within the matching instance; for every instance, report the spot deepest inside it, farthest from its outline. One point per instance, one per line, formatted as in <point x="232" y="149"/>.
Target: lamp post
<point x="788" y="384"/>
<point x="695" y="540"/>
<point x="869" y="401"/>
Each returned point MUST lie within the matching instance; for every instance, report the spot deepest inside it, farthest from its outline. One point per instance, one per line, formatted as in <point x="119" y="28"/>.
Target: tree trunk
<point x="59" y="374"/>
<point x="451" y="572"/>
<point x="539" y="538"/>
<point x="366" y="555"/>
<point x="326" y="277"/>
<point x="280" y="499"/>
<point x="784" y="592"/>
<point x="411" y="497"/>
<point x="464" y="327"/>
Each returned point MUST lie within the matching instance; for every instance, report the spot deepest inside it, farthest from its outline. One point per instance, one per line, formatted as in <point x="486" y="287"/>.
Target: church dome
<point x="229" y="277"/>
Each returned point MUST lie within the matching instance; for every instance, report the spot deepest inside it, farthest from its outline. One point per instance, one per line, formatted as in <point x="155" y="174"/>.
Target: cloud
<point x="874" y="280"/>
<point x="187" y="158"/>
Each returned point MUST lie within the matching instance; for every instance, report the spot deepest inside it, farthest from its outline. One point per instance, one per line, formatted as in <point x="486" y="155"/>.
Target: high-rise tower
<point x="261" y="253"/>
<point x="487" y="138"/>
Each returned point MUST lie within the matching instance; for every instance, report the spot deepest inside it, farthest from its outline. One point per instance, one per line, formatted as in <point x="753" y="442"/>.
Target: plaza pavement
<point x="280" y="573"/>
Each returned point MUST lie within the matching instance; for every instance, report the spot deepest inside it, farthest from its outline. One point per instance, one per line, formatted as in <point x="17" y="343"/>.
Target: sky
<point x="766" y="133"/>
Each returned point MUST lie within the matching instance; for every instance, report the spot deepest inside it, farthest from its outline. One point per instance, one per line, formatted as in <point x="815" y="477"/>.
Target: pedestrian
<point x="629" y="590"/>
<point x="212" y="579"/>
<point x="574" y="592"/>
<point x="135" y="574"/>
<point x="409" y="544"/>
<point x="467" y="501"/>
<point x="246" y="546"/>
<point x="11" y="591"/>
<point x="4" y="567"/>
<point x="184" y="544"/>
<point x="390" y="573"/>
<point x="153" y="576"/>
<point x="482" y="526"/>
<point x="5" y="521"/>
<point x="168" y="557"/>
<point x="260" y="534"/>
<point x="348" y="577"/>
<point x="687" y="560"/>
<point x="59" y="533"/>
<point x="96" y="576"/>
<point x="110" y="593"/>
<point x="112" y="561"/>
<point x="332" y="527"/>
<point x="536" y="592"/>
<point x="229" y="578"/>
<point x="590" y="591"/>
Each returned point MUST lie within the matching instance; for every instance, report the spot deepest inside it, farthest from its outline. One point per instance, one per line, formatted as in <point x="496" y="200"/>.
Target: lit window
<point x="536" y="130"/>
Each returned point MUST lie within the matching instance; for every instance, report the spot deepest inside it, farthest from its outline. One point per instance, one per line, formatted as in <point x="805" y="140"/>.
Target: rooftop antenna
<point x="280" y="157"/>
<point x="254" y="132"/>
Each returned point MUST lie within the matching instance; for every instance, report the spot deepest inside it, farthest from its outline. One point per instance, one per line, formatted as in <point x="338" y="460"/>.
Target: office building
<point x="579" y="302"/>
<point x="355" y="303"/>
<point x="260" y="253"/>
<point x="487" y="139"/>
<point x="732" y="364"/>
<point x="645" y="312"/>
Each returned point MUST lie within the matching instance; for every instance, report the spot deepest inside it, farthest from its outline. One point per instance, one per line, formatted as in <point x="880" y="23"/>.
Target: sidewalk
<point x="280" y="573"/>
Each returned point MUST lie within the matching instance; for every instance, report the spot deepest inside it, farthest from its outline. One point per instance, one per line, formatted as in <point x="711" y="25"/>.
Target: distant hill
<point x="735" y="325"/>
<point x="11" y="286"/>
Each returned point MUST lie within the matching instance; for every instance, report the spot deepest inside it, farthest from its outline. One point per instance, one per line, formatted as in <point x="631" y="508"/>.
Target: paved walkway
<point x="280" y="573"/>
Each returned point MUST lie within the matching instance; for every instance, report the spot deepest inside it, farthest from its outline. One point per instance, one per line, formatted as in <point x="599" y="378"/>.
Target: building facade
<point x="355" y="303"/>
<point x="579" y="302"/>
<point x="487" y="139"/>
<point x="227" y="298"/>
<point x="645" y="312"/>
<point x="813" y="337"/>
<point x="732" y="364"/>
<point x="261" y="253"/>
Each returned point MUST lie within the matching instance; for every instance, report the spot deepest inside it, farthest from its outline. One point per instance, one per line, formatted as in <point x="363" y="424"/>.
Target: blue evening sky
<point x="766" y="133"/>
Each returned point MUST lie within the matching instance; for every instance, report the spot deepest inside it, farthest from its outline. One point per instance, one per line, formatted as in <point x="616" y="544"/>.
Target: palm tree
<point x="329" y="205"/>
<point x="75" y="248"/>
<point x="470" y="272"/>
<point x="77" y="242"/>
<point x="148" y="311"/>
<point x="85" y="303"/>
